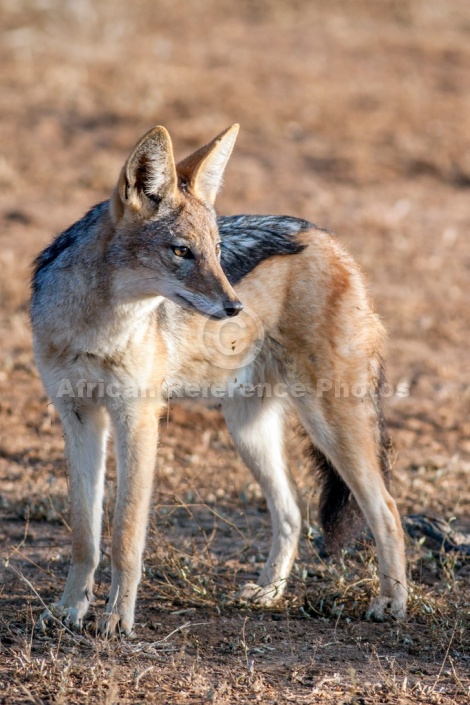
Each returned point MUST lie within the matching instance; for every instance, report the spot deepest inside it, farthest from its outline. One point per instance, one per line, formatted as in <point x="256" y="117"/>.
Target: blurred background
<point x="355" y="115"/>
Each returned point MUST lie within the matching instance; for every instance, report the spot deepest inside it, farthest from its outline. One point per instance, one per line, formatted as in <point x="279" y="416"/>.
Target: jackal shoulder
<point x="248" y="240"/>
<point x="63" y="246"/>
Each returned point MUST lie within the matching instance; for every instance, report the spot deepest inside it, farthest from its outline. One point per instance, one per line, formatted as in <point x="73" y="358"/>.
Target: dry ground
<point x="354" y="115"/>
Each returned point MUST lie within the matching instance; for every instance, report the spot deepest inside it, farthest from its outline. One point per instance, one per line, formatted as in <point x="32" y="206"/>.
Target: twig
<point x="25" y="535"/>
<point x="245" y="647"/>
<point x="15" y="549"/>
<point x="76" y="637"/>
<point x="445" y="657"/>
<point x="61" y="516"/>
<point x="142" y="674"/>
<point x="154" y="644"/>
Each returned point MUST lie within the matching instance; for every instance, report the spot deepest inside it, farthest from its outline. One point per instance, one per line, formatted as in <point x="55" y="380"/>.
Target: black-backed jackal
<point x="136" y="303"/>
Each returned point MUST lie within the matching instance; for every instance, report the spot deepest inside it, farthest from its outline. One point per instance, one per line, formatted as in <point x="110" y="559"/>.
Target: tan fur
<point x="312" y="315"/>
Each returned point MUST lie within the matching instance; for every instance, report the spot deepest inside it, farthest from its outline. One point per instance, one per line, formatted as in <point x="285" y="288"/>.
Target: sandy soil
<point x="353" y="115"/>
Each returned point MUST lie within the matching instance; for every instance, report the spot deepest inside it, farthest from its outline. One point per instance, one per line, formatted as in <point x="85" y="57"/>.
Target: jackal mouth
<point x="184" y="303"/>
<point x="217" y="314"/>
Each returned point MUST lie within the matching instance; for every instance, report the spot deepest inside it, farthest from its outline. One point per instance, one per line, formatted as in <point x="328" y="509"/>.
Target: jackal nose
<point x="233" y="308"/>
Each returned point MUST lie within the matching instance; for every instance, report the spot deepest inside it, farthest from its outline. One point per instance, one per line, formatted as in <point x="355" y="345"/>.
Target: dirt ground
<point x="355" y="115"/>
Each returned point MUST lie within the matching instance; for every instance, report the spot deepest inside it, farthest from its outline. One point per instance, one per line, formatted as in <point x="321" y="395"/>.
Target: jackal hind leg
<point x="85" y="435"/>
<point x="346" y="433"/>
<point x="257" y="429"/>
<point x="136" y="435"/>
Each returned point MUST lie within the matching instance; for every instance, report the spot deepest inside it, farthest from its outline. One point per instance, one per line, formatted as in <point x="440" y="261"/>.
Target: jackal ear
<point x="148" y="177"/>
<point x="203" y="170"/>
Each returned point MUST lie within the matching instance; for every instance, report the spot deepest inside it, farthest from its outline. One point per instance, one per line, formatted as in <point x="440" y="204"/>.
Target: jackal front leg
<point x="136" y="431"/>
<point x="85" y="433"/>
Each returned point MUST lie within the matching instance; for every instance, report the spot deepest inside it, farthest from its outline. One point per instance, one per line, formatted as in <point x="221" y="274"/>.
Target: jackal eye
<point x="182" y="251"/>
<point x="217" y="249"/>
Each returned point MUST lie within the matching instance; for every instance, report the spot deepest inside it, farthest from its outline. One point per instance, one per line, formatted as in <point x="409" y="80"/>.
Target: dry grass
<point x="196" y="647"/>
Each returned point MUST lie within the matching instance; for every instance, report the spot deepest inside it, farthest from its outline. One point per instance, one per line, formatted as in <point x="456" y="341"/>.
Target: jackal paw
<point x="56" y="613"/>
<point x="379" y="605"/>
<point x="260" y="595"/>
<point x="112" y="624"/>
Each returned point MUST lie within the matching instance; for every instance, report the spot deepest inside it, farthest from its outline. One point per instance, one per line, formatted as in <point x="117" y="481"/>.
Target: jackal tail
<point x="341" y="519"/>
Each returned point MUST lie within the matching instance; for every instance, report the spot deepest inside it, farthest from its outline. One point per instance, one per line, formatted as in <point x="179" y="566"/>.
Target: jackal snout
<point x="228" y="309"/>
<point x="202" y="282"/>
<point x="233" y="308"/>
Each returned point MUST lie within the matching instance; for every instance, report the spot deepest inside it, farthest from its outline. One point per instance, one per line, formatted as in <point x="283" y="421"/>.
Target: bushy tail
<point x="340" y="517"/>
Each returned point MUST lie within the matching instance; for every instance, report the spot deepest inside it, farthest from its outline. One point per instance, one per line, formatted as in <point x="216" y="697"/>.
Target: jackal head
<point x="165" y="240"/>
